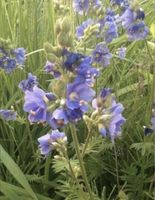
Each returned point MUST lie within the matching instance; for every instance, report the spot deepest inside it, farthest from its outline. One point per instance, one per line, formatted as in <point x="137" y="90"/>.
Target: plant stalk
<point x="116" y="165"/>
<point x="84" y="175"/>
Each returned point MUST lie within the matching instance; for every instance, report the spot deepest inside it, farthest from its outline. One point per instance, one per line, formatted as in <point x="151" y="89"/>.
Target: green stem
<point x="116" y="165"/>
<point x="72" y="172"/>
<point x="47" y="167"/>
<point x="70" y="167"/>
<point x="86" y="143"/>
<point x="84" y="175"/>
<point x="153" y="84"/>
<point x="33" y="52"/>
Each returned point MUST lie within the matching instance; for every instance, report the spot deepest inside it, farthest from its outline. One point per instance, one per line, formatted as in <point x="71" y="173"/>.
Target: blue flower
<point x="58" y="118"/>
<point x="8" y="114"/>
<point x="29" y="83"/>
<point x="85" y="72"/>
<point x="48" y="142"/>
<point x="80" y="29"/>
<point x="100" y="101"/>
<point x="51" y="68"/>
<point x="82" y="6"/>
<point x="122" y="53"/>
<point x="108" y="26"/>
<point x="109" y="116"/>
<point x="140" y="14"/>
<point x="9" y="64"/>
<point x="79" y="92"/>
<point x="20" y="55"/>
<point x="112" y="121"/>
<point x="9" y="59"/>
<point x="101" y="55"/>
<point x="78" y="96"/>
<point x="128" y="17"/>
<point x="36" y="104"/>
<point x="74" y="115"/>
<point x="110" y="31"/>
<point x="122" y="3"/>
<point x="72" y="60"/>
<point x="137" y="31"/>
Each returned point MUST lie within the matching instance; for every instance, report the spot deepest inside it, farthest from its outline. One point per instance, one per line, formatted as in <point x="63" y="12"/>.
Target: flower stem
<point x="153" y="84"/>
<point x="84" y="175"/>
<point x="72" y="172"/>
<point x="47" y="166"/>
<point x="33" y="52"/>
<point x="116" y="165"/>
<point x="86" y="143"/>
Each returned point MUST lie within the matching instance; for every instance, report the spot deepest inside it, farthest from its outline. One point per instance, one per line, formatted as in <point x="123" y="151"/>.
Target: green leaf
<point x="151" y="45"/>
<point x="12" y="195"/>
<point x="16" y="172"/>
<point x="20" y="191"/>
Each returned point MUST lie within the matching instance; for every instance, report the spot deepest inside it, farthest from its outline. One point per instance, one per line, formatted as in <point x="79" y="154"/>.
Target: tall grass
<point x="29" y="24"/>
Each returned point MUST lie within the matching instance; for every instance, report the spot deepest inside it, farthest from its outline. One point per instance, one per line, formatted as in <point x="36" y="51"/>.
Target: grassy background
<point x="30" y="23"/>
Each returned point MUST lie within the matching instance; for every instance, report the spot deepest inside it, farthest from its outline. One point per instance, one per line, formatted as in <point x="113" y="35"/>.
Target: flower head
<point x="72" y="60"/>
<point x="101" y="55"/>
<point x="122" y="3"/>
<point x="137" y="31"/>
<point x="58" y="118"/>
<point x="108" y="26"/>
<point x="110" y="118"/>
<point x="85" y="72"/>
<point x="51" y="68"/>
<point x="128" y="17"/>
<point x="80" y="29"/>
<point x="122" y="52"/>
<point x="78" y="96"/>
<point x="20" y="55"/>
<point x="11" y="58"/>
<point x="82" y="6"/>
<point x="8" y="115"/>
<point x="29" y="83"/>
<point x="36" y="104"/>
<point x="47" y="142"/>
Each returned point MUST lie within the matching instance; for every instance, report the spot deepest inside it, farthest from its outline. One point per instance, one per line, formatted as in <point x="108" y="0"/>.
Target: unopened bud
<point x="66" y="24"/>
<point x="64" y="40"/>
<point x="58" y="26"/>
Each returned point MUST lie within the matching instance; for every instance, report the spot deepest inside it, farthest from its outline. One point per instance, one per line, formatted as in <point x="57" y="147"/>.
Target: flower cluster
<point x="8" y="115"/>
<point x="131" y="19"/>
<point x="108" y="114"/>
<point x="132" y="22"/>
<point x="83" y="6"/>
<point x="29" y="83"/>
<point x="11" y="58"/>
<point x="52" y="140"/>
<point x="72" y="97"/>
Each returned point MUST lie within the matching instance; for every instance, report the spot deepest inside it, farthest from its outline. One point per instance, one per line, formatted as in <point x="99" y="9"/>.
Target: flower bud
<point x="65" y="26"/>
<point x="51" y="57"/>
<point x="58" y="87"/>
<point x="48" y="47"/>
<point x="58" y="27"/>
<point x="64" y="40"/>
